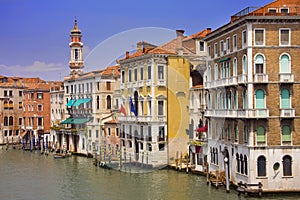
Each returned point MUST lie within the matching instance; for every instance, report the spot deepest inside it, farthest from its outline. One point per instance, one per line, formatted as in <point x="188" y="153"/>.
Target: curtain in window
<point x="284" y="37"/>
<point x="284" y="64"/>
<point x="286" y="133"/>
<point x="260" y="134"/>
<point x="260" y="99"/>
<point x="259" y="37"/>
<point x="285" y="98"/>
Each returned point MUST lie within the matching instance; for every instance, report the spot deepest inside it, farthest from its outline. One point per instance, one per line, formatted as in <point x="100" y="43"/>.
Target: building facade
<point x="252" y="78"/>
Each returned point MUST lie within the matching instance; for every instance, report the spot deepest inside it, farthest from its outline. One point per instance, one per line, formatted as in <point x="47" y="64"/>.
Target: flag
<point x="132" y="108"/>
<point x="122" y="109"/>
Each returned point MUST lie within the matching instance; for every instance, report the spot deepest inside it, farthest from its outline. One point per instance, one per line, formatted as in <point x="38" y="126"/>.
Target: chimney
<point x="179" y="33"/>
<point x="127" y="54"/>
<point x="180" y="36"/>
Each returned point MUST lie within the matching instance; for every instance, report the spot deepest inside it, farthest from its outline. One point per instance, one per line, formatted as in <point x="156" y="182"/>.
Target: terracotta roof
<point x="198" y="35"/>
<point x="112" y="71"/>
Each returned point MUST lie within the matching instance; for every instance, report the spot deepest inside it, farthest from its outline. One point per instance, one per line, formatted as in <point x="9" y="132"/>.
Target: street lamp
<point x="226" y="172"/>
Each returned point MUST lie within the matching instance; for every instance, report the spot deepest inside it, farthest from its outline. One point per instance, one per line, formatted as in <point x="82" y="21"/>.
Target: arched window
<point x="11" y="105"/>
<point x="259" y="99"/>
<point x="237" y="162"/>
<point x="11" y="120"/>
<point x="261" y="166"/>
<point x="217" y="157"/>
<point x="260" y="134"/>
<point x="285" y="99"/>
<point x="287" y="165"/>
<point x="286" y="134"/>
<point x="242" y="163"/>
<point x="108" y="102"/>
<point x="234" y="67"/>
<point x="136" y="101"/>
<point x="245" y="165"/>
<point x="259" y="64"/>
<point x="244" y="64"/>
<point x="285" y="65"/>
<point x="5" y="122"/>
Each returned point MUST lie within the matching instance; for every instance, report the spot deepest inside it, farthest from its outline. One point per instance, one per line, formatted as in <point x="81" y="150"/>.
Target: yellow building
<point x="154" y="87"/>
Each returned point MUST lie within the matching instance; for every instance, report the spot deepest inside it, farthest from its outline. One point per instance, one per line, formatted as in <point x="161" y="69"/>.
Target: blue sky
<point x="34" y="34"/>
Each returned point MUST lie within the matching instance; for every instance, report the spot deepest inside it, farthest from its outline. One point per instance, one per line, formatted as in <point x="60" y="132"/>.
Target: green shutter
<point x="285" y="99"/>
<point x="260" y="99"/>
<point x="260" y="134"/>
<point x="286" y="134"/>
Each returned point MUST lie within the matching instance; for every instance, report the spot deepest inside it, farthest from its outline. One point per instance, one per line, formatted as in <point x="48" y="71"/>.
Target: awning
<point x="67" y="121"/>
<point x="80" y="101"/>
<point x="224" y="59"/>
<point x="202" y="129"/>
<point x="70" y="103"/>
<point x="75" y="121"/>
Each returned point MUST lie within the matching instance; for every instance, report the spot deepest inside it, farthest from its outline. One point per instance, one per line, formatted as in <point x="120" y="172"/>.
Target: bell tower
<point x="76" y="62"/>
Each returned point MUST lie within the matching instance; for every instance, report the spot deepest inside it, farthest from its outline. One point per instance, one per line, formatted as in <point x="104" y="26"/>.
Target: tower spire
<point x="76" y="61"/>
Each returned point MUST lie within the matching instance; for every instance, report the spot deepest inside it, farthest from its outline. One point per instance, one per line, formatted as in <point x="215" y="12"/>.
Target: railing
<point x="287" y="112"/>
<point x="161" y="139"/>
<point x="141" y="83"/>
<point x="286" y="78"/>
<point x="242" y="78"/>
<point x="253" y="113"/>
<point x="233" y="80"/>
<point x="260" y="78"/>
<point x="148" y="82"/>
<point x="161" y="82"/>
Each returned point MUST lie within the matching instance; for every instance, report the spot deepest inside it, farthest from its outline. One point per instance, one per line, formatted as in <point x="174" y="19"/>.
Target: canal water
<point x="26" y="175"/>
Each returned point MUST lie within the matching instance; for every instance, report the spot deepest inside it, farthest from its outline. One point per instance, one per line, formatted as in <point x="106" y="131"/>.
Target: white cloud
<point x="37" y="66"/>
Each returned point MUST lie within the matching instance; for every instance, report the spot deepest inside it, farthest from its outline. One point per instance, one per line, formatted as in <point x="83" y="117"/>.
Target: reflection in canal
<point x="30" y="175"/>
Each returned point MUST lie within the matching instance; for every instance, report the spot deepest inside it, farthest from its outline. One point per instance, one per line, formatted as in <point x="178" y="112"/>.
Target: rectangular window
<point x="149" y="108"/>
<point x="20" y="105"/>
<point x="284" y="11"/>
<point x="108" y="131"/>
<point x="149" y="134"/>
<point x="123" y="76"/>
<point x="160" y="107"/>
<point x="17" y="132"/>
<point x="20" y="121"/>
<point x="40" y="95"/>
<point x="228" y="45"/>
<point x="259" y="37"/>
<point x="160" y="72"/>
<point x="90" y="133"/>
<point x="40" y="121"/>
<point x="135" y="74"/>
<point x="272" y="10"/>
<point x="209" y="51"/>
<point x="40" y="108"/>
<point x="142" y="132"/>
<point x="216" y="50"/>
<point x="201" y="46"/>
<point x="284" y="37"/>
<point x="117" y="132"/>
<point x="5" y="133"/>
<point x="149" y="72"/>
<point x="142" y="73"/>
<point x="5" y="93"/>
<point x="97" y="133"/>
<point x="236" y="133"/>
<point x="20" y="93"/>
<point x="129" y="75"/>
<point x="108" y="85"/>
<point x="67" y="89"/>
<point x="221" y="47"/>
<point x="244" y="38"/>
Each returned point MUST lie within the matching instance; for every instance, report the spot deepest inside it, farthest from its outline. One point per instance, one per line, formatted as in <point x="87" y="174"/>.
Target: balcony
<point x="148" y="82"/>
<point x="228" y="113"/>
<point x="253" y="113"/>
<point x="40" y="128"/>
<point x="129" y="85"/>
<point x="233" y="80"/>
<point x="287" y="112"/>
<point x="261" y="78"/>
<point x="122" y="86"/>
<point x="161" y="83"/>
<point x="135" y="84"/>
<point x="162" y="118"/>
<point x="242" y="79"/>
<point x="207" y="84"/>
<point x="286" y="78"/>
<point x="141" y="84"/>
